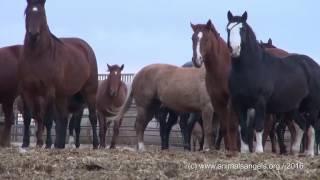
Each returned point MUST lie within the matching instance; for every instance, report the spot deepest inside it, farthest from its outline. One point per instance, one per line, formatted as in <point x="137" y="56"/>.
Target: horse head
<point x="204" y="39"/>
<point x="114" y="79"/>
<point x="268" y="44"/>
<point x="36" y="21"/>
<point x="235" y="29"/>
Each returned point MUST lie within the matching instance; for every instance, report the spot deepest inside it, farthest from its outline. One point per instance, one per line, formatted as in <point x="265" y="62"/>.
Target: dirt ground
<point x="126" y="163"/>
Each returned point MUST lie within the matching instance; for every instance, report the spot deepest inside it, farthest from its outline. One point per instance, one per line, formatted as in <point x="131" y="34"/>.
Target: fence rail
<point x="126" y="77"/>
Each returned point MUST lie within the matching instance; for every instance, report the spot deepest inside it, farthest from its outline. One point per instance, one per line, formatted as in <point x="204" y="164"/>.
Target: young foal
<point x="169" y="85"/>
<point x="209" y="48"/>
<point x="111" y="95"/>
<point x="9" y="57"/>
<point x="54" y="70"/>
<point x="269" y="84"/>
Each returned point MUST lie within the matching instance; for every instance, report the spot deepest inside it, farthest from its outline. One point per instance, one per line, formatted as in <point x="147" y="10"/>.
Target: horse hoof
<point x="25" y="146"/>
<point x="58" y="146"/>
<point x="232" y="153"/>
<point x="112" y="147"/>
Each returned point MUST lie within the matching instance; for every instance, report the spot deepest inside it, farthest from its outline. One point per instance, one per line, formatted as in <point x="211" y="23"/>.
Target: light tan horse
<point x="111" y="95"/>
<point x="174" y="87"/>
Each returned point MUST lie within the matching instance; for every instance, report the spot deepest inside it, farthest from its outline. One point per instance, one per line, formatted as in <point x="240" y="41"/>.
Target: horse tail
<point x="125" y="107"/>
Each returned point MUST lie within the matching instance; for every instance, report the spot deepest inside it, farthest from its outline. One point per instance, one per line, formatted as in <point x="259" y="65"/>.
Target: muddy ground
<point x="126" y="163"/>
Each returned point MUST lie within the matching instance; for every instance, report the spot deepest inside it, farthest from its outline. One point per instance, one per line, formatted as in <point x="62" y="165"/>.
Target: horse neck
<point x="44" y="44"/>
<point x="251" y="54"/>
<point x="218" y="61"/>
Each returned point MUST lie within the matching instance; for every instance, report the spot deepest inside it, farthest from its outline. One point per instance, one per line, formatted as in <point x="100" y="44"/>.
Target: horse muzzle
<point x="197" y="62"/>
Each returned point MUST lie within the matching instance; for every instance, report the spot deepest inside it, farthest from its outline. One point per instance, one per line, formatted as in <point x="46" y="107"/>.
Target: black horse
<point x="168" y="118"/>
<point x="268" y="84"/>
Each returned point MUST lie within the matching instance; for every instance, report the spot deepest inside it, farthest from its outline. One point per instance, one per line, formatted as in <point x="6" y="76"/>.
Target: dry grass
<point x="125" y="163"/>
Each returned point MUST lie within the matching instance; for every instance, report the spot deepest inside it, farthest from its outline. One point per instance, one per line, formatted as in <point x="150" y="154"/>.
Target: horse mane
<point x="56" y="38"/>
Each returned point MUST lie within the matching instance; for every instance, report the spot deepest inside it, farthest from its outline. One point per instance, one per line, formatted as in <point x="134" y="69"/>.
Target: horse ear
<point x="210" y="25"/>
<point x="109" y="67"/>
<point x="230" y="16"/>
<point x="270" y="41"/>
<point x="193" y="26"/>
<point x="244" y="16"/>
<point x="122" y="66"/>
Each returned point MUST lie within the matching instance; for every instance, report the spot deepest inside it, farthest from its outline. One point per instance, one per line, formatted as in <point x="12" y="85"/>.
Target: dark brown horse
<point x="209" y="48"/>
<point x="111" y="95"/>
<point x="52" y="71"/>
<point x="75" y="108"/>
<point x="9" y="57"/>
<point x="171" y="86"/>
<point x="270" y="48"/>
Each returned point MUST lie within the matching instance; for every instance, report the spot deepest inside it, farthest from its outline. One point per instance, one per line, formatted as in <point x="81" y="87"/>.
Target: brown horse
<point x="209" y="48"/>
<point x="9" y="57"/>
<point x="176" y="88"/>
<point x="111" y="95"/>
<point x="54" y="70"/>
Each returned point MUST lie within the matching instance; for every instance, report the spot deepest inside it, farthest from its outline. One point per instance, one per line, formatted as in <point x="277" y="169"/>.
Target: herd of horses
<point x="237" y="90"/>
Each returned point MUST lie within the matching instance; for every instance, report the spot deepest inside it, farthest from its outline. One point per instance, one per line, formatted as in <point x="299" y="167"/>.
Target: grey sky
<point x="141" y="32"/>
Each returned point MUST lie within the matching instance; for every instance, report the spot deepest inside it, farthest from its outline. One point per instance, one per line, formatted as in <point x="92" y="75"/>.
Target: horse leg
<point x="9" y="118"/>
<point x="144" y="116"/>
<point x="280" y="133"/>
<point x="269" y="124"/>
<point x="163" y="124"/>
<point x="116" y="128"/>
<point x="299" y="125"/>
<point x="172" y="120"/>
<point x="102" y="129"/>
<point x="48" y="121"/>
<point x="71" y="128"/>
<point x="61" y="122"/>
<point x="26" y="114"/>
<point x="311" y="120"/>
<point x="293" y="133"/>
<point x="186" y="123"/>
<point x="207" y="114"/>
<point x="229" y="123"/>
<point x="260" y="116"/>
<point x="77" y="126"/>
<point x="91" y="101"/>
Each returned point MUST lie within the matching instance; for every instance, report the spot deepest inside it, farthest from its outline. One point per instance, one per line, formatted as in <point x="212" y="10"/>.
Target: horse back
<point x="9" y="58"/>
<point x="78" y="61"/>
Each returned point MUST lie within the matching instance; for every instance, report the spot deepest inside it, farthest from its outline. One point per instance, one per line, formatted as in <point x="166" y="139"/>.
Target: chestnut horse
<point x="9" y="57"/>
<point x="209" y="48"/>
<point x="111" y="95"/>
<point x="52" y="71"/>
<point x="171" y="86"/>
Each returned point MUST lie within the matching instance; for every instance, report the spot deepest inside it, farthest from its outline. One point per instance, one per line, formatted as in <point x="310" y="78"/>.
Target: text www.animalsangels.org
<point x="244" y="166"/>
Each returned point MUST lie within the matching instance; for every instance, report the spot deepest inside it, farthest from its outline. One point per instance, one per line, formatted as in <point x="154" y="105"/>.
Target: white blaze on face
<point x="199" y="56"/>
<point x="235" y="38"/>
<point x="35" y="9"/>
<point x="259" y="147"/>
<point x="115" y="73"/>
